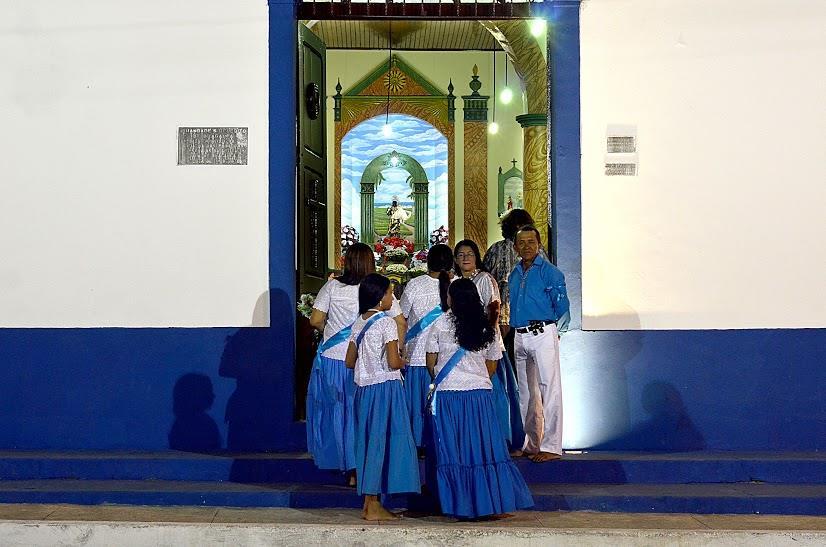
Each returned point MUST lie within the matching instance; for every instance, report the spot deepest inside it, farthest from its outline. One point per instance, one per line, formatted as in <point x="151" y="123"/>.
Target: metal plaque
<point x="212" y="145"/>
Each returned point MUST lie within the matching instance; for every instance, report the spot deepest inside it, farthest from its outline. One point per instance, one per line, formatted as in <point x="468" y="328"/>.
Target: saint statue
<point x="398" y="215"/>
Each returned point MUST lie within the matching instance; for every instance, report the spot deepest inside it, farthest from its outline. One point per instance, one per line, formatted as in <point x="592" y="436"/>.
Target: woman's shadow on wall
<point x="193" y="429"/>
<point x="258" y="411"/>
<point x="668" y="426"/>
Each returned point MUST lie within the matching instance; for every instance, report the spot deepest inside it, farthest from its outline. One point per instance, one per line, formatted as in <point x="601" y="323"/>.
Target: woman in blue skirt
<point x="475" y="476"/>
<point x="424" y="300"/>
<point x="330" y="393"/>
<point x="386" y="461"/>
<point x="505" y="386"/>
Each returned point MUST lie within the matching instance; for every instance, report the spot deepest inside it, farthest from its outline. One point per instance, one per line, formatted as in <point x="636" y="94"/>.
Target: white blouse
<point x="371" y="364"/>
<point x="341" y="304"/>
<point x="421" y="294"/>
<point x="470" y="372"/>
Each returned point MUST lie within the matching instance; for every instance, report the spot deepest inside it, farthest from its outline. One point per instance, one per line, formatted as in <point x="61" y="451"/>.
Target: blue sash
<point x="443" y="373"/>
<point x="334" y="340"/>
<point x="423" y="323"/>
<point x="373" y="319"/>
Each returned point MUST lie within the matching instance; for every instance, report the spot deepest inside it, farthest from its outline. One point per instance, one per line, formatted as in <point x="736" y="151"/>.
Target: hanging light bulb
<point x="506" y="95"/>
<point x="387" y="130"/>
<point x="394" y="159"/>
<point x="493" y="128"/>
<point x="537" y="27"/>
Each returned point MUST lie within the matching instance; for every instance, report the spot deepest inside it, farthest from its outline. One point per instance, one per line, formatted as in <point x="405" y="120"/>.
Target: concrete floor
<point x="23" y="524"/>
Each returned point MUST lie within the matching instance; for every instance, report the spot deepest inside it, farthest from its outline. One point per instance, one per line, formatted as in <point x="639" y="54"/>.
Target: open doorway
<point x="405" y="127"/>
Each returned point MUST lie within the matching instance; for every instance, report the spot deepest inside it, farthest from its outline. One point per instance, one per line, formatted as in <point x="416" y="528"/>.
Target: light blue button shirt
<point x="538" y="295"/>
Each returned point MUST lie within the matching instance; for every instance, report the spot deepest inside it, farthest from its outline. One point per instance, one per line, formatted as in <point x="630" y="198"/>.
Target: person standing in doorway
<point x="539" y="312"/>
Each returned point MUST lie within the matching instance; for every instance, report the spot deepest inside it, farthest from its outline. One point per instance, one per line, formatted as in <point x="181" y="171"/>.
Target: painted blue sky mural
<point x="410" y="136"/>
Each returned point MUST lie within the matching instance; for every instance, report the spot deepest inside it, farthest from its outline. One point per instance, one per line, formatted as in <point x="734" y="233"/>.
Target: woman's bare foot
<point x="351" y="478"/>
<point x="517" y="453"/>
<point x="373" y="510"/>
<point x="543" y="457"/>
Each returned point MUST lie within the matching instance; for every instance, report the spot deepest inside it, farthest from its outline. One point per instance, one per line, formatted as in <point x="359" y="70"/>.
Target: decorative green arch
<point x="372" y="177"/>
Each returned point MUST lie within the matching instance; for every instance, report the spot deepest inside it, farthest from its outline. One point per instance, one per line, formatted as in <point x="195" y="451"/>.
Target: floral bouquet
<point x="396" y="254"/>
<point x="305" y="304"/>
<point x="392" y="242"/>
<point x="349" y="235"/>
<point x="396" y="269"/>
<point x="439" y="235"/>
<point x="417" y="268"/>
<point x="421" y="256"/>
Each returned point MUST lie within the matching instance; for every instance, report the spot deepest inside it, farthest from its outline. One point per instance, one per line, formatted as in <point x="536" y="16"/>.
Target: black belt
<point x="535" y="327"/>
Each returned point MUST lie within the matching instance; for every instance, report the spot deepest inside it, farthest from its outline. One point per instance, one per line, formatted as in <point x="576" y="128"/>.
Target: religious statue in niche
<point x="398" y="217"/>
<point x="511" y="187"/>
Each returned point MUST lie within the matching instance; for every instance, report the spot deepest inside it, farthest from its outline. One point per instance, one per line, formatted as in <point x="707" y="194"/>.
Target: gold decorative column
<point x="535" y="170"/>
<point x="476" y="163"/>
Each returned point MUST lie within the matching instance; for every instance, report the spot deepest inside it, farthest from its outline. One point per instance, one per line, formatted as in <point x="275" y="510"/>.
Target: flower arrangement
<point x="439" y="235"/>
<point x="396" y="254"/>
<point x="305" y="304"/>
<point x="393" y="242"/>
<point x="349" y="236"/>
<point x="417" y="268"/>
<point x="420" y="256"/>
<point x="396" y="269"/>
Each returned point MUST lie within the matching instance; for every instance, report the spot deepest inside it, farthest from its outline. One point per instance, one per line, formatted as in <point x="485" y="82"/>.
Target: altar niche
<point x="416" y="182"/>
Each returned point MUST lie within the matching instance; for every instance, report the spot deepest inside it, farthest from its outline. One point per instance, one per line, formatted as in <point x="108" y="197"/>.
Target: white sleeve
<point x="389" y="330"/>
<point x="322" y="299"/>
<point x="432" y="342"/>
<point x="493" y="351"/>
<point x="406" y="303"/>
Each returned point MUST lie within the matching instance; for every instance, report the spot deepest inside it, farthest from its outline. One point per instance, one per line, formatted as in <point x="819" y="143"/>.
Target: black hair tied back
<point x="473" y="330"/>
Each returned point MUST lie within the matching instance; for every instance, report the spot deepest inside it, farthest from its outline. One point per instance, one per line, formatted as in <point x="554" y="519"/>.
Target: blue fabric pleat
<point x="475" y="476"/>
<point x="416" y="385"/>
<point x="330" y="428"/>
<point x="386" y="461"/>
<point x="506" y="403"/>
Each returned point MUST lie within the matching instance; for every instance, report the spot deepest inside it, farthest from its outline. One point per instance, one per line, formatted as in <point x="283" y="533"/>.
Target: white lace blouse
<point x="488" y="292"/>
<point x="341" y="304"/>
<point x="371" y="364"/>
<point x="471" y="372"/>
<point x="421" y="294"/>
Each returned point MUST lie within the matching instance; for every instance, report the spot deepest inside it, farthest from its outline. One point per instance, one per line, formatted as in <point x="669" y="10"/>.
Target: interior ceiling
<point x="407" y="35"/>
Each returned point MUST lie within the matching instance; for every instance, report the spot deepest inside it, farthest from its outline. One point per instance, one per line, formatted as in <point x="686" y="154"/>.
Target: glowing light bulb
<point x="387" y="130"/>
<point x="506" y="96"/>
<point x="394" y="160"/>
<point x="537" y="27"/>
<point x="493" y="128"/>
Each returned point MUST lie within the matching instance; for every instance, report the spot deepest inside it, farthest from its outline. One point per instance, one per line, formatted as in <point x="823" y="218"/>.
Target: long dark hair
<point x="513" y="221"/>
<point x="371" y="290"/>
<point x="473" y="247"/>
<point x="358" y="262"/>
<point x="440" y="259"/>
<point x="473" y="330"/>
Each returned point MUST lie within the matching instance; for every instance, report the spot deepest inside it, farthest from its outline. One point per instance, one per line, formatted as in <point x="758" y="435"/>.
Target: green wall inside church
<point x="439" y="67"/>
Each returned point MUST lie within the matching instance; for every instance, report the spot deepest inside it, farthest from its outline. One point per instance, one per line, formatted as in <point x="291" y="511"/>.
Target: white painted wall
<point x="724" y="227"/>
<point x="98" y="224"/>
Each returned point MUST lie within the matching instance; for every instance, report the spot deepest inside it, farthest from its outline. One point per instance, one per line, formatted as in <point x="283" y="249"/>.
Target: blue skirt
<point x="330" y="437"/>
<point x="475" y="476"/>
<point x="506" y="403"/>
<point x="416" y="385"/>
<point x="386" y="461"/>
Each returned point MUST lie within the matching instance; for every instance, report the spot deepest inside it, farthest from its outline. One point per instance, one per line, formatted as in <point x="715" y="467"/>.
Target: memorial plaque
<point x="212" y="145"/>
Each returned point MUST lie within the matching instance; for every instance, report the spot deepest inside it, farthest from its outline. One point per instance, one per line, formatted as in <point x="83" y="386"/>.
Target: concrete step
<point x="589" y="468"/>
<point x="745" y="498"/>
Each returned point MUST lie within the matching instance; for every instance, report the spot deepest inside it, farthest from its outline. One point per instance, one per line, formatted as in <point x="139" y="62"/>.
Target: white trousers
<point x="540" y="389"/>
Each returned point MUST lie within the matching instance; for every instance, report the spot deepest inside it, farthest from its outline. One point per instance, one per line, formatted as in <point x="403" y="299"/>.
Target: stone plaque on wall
<point x="212" y="145"/>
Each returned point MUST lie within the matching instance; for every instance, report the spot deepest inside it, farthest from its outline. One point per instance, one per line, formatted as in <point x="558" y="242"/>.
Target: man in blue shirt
<point x="539" y="311"/>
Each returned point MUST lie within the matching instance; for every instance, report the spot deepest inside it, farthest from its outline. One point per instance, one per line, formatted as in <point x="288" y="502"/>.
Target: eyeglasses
<point x="465" y="255"/>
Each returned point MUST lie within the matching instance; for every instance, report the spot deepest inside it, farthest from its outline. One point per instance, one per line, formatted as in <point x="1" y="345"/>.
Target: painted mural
<point x="408" y="135"/>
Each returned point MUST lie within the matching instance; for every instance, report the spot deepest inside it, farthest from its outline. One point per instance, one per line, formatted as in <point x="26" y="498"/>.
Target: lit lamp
<point x="538" y="26"/>
<point x="506" y="96"/>
<point x="394" y="159"/>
